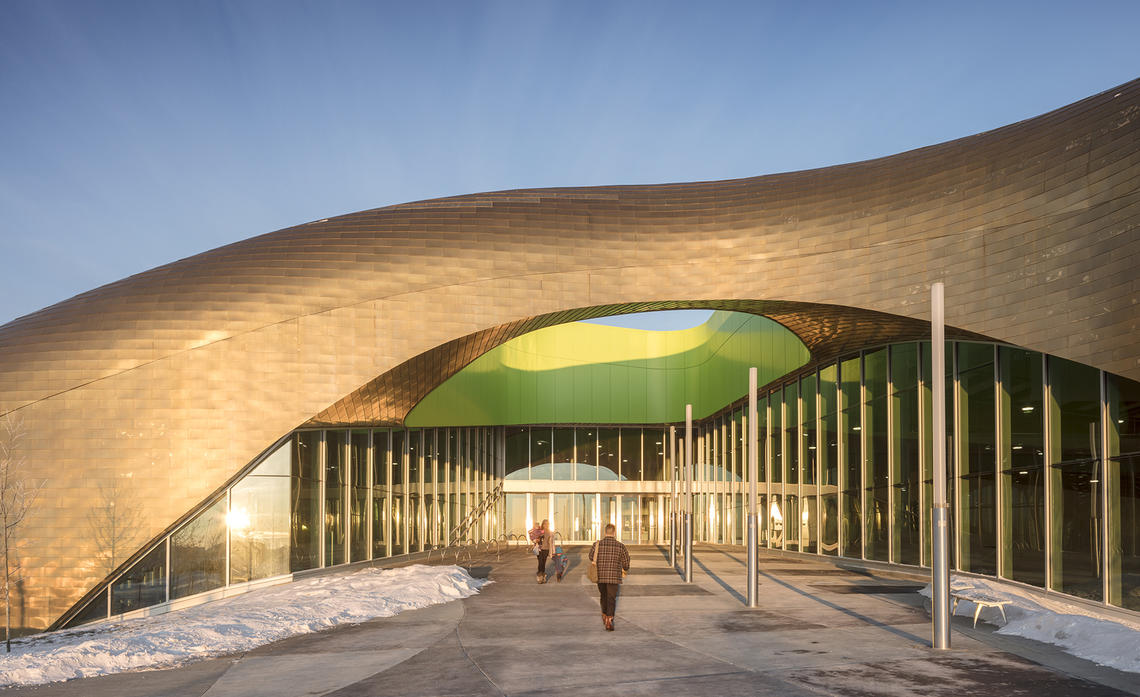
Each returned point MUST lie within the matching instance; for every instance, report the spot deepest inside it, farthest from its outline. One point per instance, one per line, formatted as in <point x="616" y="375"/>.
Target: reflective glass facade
<point x="1043" y="466"/>
<point x="1043" y="477"/>
<point x="319" y="498"/>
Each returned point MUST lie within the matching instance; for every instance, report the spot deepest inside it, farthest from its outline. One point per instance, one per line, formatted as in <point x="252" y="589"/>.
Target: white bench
<point x="979" y="602"/>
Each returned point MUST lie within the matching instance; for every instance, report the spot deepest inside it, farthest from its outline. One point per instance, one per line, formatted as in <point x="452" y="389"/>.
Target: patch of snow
<point x="232" y="625"/>
<point x="1079" y="630"/>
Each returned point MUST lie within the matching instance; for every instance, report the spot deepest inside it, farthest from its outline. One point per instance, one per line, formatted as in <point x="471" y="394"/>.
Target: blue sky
<point x="136" y="133"/>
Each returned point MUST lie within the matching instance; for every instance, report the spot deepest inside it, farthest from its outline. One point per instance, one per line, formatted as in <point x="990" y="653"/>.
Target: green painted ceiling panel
<point x="592" y="373"/>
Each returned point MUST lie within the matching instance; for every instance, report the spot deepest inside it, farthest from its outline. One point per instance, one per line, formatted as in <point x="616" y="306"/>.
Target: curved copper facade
<point x="179" y="376"/>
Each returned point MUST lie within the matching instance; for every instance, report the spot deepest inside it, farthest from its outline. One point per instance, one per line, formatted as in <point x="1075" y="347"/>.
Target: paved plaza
<point x="822" y="629"/>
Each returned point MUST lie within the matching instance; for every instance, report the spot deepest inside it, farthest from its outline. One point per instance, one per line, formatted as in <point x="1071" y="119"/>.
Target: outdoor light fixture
<point x="1027" y="410"/>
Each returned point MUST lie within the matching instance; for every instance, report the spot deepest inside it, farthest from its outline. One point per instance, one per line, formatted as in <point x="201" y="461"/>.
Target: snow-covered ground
<point x="232" y="625"/>
<point x="1108" y="641"/>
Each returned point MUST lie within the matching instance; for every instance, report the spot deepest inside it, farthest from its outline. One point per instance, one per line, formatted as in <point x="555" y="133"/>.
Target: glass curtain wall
<point x="319" y="498"/>
<point x="1045" y="482"/>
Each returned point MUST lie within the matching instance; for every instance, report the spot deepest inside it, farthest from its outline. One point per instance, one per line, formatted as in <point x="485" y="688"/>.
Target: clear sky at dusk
<point x="135" y="134"/>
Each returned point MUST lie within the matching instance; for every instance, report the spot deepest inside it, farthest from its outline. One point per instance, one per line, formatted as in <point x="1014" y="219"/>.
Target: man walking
<point x="612" y="559"/>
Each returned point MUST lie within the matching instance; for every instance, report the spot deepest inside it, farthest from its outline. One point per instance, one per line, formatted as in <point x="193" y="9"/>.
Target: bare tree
<point x="114" y="521"/>
<point x="16" y="498"/>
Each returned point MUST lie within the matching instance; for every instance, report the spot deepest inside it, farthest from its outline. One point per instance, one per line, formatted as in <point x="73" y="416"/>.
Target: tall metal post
<point x="753" y="562"/>
<point x="673" y="497"/>
<point x="687" y="540"/>
<point x="940" y="522"/>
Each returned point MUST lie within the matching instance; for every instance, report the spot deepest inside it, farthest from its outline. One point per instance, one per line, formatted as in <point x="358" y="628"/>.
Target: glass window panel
<point x="791" y="439"/>
<point x="608" y="447"/>
<point x="1075" y="479"/>
<point x="335" y="477"/>
<point x="563" y="522"/>
<point x="906" y="486"/>
<point x="359" y="495"/>
<point x="541" y="452"/>
<point x="851" y="533"/>
<point x="808" y="445"/>
<point x="540" y="509"/>
<point x="829" y="523"/>
<point x="776" y="522"/>
<point x="94" y="610"/>
<point x="259" y="527"/>
<point x="459" y="453"/>
<point x="142" y="585"/>
<point x="198" y="553"/>
<point x="518" y="452"/>
<point x="653" y="455"/>
<point x="380" y="510"/>
<point x="630" y="454"/>
<point x="608" y="511"/>
<point x="584" y="521"/>
<point x="628" y="531"/>
<point x="430" y="455"/>
<point x="516" y="515"/>
<point x="305" y="506"/>
<point x="828" y="389"/>
<point x="397" y="501"/>
<point x="415" y="521"/>
<point x="587" y="449"/>
<point x="445" y="437"/>
<point x="977" y="446"/>
<point x="1124" y="492"/>
<point x="1023" y="464"/>
<point x="829" y="438"/>
<point x="740" y="445"/>
<point x="809" y="461"/>
<point x="563" y="454"/>
<point x="776" y="429"/>
<point x="278" y="463"/>
<point x="877" y="465"/>
<point x="763" y="441"/>
<point x="904" y="367"/>
<point x="972" y="355"/>
<point x="415" y="452"/>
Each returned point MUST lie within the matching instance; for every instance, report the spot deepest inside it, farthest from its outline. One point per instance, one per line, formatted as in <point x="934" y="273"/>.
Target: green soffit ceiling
<point x="592" y="373"/>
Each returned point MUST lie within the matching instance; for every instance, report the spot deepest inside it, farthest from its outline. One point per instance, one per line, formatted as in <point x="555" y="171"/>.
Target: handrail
<point x="460" y="540"/>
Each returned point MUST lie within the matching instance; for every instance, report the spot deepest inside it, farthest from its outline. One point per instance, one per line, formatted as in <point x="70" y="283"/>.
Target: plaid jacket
<point x="612" y="557"/>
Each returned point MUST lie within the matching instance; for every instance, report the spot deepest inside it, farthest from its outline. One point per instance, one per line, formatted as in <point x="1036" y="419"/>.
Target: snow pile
<point x="1079" y="630"/>
<point x="232" y="625"/>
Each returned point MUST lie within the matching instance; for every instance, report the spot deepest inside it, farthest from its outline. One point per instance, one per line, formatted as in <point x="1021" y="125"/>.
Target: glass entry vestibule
<point x="580" y="517"/>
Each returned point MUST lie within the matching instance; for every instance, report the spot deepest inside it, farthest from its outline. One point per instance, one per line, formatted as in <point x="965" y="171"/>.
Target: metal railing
<point x="460" y="540"/>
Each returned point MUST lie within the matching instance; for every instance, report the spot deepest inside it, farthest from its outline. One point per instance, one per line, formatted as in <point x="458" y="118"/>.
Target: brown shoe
<point x="609" y="623"/>
<point x="606" y="621"/>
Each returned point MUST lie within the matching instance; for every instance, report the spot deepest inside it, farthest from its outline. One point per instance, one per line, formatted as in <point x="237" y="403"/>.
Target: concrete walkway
<point x="823" y="629"/>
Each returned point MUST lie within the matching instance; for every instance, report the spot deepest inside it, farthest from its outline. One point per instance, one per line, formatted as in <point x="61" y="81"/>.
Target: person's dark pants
<point x="542" y="555"/>
<point x="609" y="593"/>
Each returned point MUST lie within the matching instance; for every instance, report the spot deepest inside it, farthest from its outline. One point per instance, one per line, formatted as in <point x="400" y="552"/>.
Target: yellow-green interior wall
<point x="592" y="373"/>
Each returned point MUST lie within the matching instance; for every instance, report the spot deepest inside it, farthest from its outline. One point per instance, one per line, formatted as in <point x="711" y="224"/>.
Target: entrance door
<point x="649" y="523"/>
<point x="608" y="505"/>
